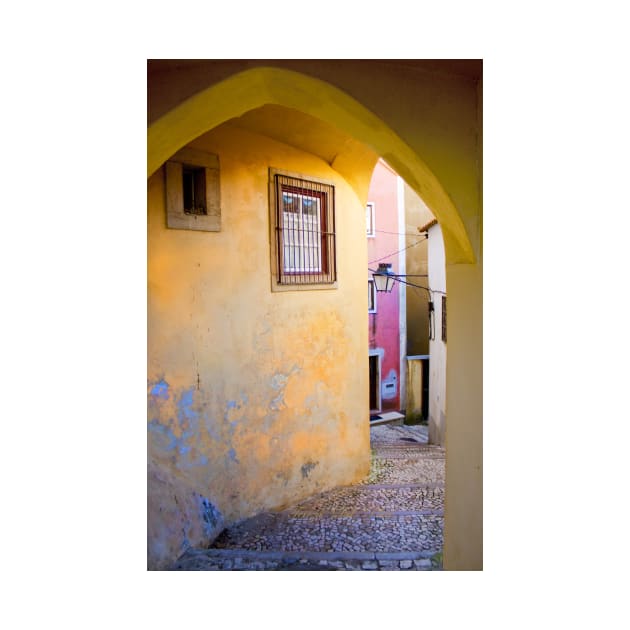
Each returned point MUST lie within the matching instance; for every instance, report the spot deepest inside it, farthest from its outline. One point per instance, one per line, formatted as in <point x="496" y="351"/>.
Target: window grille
<point x="444" y="318"/>
<point x="194" y="189"/>
<point x="305" y="231"/>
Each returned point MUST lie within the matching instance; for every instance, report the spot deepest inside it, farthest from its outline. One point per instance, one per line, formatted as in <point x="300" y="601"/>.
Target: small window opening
<point x="194" y="189"/>
<point x="444" y="318"/>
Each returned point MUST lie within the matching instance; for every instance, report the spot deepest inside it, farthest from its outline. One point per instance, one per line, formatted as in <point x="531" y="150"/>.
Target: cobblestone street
<point x="392" y="520"/>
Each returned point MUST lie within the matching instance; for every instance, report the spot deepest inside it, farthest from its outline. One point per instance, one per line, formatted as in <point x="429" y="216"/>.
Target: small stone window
<point x="192" y="191"/>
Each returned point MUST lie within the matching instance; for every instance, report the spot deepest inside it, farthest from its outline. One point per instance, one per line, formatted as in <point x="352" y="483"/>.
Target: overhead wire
<point x="399" y="233"/>
<point x="398" y="252"/>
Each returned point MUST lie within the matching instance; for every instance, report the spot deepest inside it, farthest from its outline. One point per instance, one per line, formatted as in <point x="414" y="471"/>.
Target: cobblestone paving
<point x="392" y="520"/>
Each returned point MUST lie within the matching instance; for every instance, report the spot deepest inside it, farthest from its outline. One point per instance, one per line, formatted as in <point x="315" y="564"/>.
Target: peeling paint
<point x="160" y="390"/>
<point x="277" y="404"/>
<point x="163" y="433"/>
<point x="279" y="381"/>
<point x="185" y="405"/>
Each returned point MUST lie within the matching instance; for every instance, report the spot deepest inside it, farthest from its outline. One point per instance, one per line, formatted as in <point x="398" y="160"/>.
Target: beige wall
<point x="255" y="397"/>
<point x="427" y="125"/>
<point x="464" y="402"/>
<point x="437" y="347"/>
<point x="416" y="215"/>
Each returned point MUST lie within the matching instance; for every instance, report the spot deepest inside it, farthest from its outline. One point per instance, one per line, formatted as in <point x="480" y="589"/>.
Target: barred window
<point x="304" y="231"/>
<point x="444" y="318"/>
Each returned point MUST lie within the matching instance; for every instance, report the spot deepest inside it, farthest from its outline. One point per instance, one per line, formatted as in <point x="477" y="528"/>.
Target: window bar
<point x="333" y="238"/>
<point x="299" y="266"/>
<point x="311" y="266"/>
<point x="279" y="227"/>
<point x="320" y="228"/>
<point x="301" y="239"/>
<point x="305" y="268"/>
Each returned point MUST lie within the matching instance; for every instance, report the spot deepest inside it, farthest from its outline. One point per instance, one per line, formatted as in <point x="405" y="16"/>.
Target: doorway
<point x="375" y="382"/>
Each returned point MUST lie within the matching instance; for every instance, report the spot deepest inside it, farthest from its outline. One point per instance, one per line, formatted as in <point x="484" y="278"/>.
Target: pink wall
<point x="384" y="324"/>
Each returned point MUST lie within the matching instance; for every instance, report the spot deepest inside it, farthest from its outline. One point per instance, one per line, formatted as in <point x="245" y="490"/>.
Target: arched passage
<point x="210" y="106"/>
<point x="256" y="87"/>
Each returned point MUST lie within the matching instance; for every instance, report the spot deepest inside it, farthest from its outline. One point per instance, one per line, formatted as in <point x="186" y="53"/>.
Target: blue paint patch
<point x="231" y="404"/>
<point x="185" y="405"/>
<point x="164" y="435"/>
<point x="232" y="455"/>
<point x="277" y="404"/>
<point x="160" y="390"/>
<point x="278" y="381"/>
<point x="185" y="541"/>
<point x="211" y="429"/>
<point x="210" y="515"/>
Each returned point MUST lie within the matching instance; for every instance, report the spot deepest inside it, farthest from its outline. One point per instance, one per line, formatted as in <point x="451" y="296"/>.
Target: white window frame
<point x="301" y="255"/>
<point x="372" y="292"/>
<point x="370" y="219"/>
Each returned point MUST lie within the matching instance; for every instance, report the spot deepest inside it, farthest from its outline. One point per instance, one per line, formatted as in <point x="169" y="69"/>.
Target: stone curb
<point x="396" y="486"/>
<point x="304" y="516"/>
<point x="309" y="555"/>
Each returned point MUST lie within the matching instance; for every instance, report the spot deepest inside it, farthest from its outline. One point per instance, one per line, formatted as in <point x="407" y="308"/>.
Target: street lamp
<point x="384" y="278"/>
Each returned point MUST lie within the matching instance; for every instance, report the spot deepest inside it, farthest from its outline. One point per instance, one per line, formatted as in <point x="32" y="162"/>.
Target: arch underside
<point x="257" y="87"/>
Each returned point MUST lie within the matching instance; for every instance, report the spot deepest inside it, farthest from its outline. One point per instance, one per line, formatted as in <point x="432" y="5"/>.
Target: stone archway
<point x="255" y="87"/>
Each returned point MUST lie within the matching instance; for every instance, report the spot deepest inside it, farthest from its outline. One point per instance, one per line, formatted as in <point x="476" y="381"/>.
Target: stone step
<point x="247" y="560"/>
<point x="388" y="417"/>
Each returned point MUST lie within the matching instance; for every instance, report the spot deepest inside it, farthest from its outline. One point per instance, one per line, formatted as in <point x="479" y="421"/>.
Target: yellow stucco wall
<point x="255" y="397"/>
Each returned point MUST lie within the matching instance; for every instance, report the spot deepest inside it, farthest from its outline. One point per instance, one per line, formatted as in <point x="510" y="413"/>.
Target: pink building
<point x="387" y="338"/>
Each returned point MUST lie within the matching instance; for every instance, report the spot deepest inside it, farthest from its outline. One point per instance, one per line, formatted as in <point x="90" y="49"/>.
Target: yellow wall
<point x="427" y="125"/>
<point x="255" y="398"/>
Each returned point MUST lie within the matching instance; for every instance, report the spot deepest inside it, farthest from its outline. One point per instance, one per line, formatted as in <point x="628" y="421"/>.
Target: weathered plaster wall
<point x="384" y="331"/>
<point x="255" y="397"/>
<point x="437" y="347"/>
<point x="178" y="517"/>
